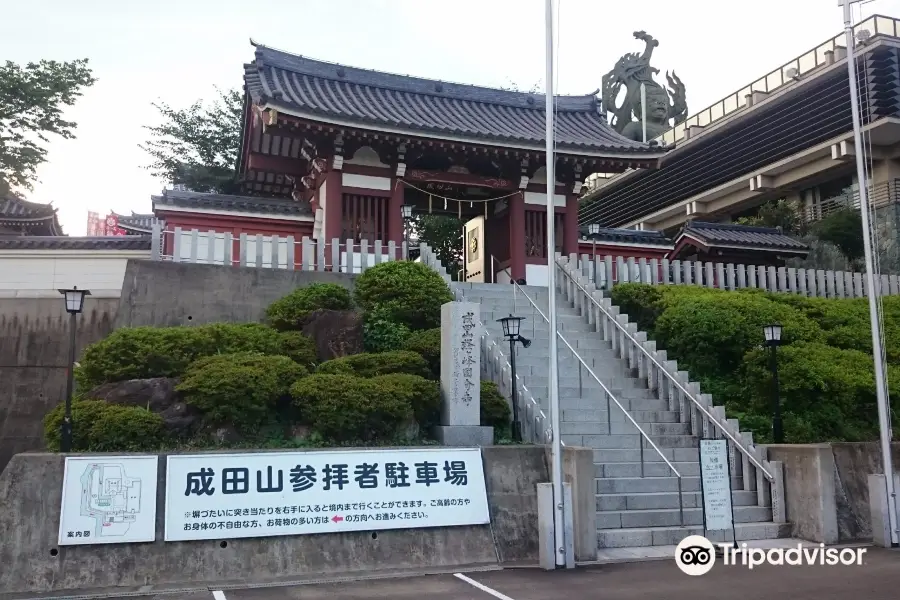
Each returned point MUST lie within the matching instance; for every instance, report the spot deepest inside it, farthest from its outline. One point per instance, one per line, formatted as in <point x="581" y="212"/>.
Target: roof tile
<point x="729" y="234"/>
<point x="273" y="206"/>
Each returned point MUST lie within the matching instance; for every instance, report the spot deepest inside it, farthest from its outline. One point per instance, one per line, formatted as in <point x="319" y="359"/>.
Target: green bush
<point x="287" y="313"/>
<point x="427" y="344"/>
<point x="241" y="389"/>
<point x="827" y="394"/>
<point x="710" y="333"/>
<point x="408" y="292"/>
<point x="101" y="427"/>
<point x="299" y="347"/>
<point x="344" y="408"/>
<point x="144" y="352"/>
<point x="381" y="334"/>
<point x="422" y="395"/>
<point x="374" y="364"/>
<point x="495" y="411"/>
<point x="644" y="303"/>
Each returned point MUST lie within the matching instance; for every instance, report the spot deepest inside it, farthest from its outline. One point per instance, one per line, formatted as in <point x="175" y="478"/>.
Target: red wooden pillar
<point x="570" y="225"/>
<point x="516" y="236"/>
<point x="395" y="216"/>
<point x="333" y="213"/>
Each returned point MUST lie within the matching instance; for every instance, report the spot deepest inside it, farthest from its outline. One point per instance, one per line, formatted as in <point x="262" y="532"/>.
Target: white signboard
<point x="716" y="483"/>
<point x="108" y="500"/>
<point x="214" y="496"/>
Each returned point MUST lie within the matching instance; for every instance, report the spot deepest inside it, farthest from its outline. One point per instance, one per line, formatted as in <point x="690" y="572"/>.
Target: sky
<point x="176" y="51"/>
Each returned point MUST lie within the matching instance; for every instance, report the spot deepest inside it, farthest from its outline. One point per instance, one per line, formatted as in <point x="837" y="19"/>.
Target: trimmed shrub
<point x="495" y="411"/>
<point x="827" y="394"/>
<point x="423" y="396"/>
<point x="240" y="389"/>
<point x="299" y="347"/>
<point x="287" y="313"/>
<point x="427" y="344"/>
<point x="102" y="427"/>
<point x="344" y="408"/>
<point x="381" y="334"/>
<point x="407" y="292"/>
<point x="710" y="333"/>
<point x="374" y="364"/>
<point x="144" y="352"/>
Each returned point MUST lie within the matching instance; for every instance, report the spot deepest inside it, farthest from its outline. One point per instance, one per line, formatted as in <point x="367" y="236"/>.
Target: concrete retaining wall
<point x="827" y="489"/>
<point x="167" y="293"/>
<point x="31" y="489"/>
<point x="34" y="346"/>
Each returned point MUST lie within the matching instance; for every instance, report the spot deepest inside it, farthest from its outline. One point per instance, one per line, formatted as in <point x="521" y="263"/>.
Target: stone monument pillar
<point x="461" y="377"/>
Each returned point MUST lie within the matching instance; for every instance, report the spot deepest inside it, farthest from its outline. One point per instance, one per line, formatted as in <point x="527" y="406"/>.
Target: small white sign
<point x="215" y="496"/>
<point x="716" y="481"/>
<point x="108" y="500"/>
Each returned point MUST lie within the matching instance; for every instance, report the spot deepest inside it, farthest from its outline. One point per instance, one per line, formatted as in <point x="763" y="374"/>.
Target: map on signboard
<point x="108" y="500"/>
<point x="110" y="497"/>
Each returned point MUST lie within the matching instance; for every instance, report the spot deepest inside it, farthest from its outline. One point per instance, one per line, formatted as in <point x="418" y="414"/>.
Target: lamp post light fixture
<point x="773" y="340"/>
<point x="406" y="213"/>
<point x="511" y="327"/>
<point x="74" y="305"/>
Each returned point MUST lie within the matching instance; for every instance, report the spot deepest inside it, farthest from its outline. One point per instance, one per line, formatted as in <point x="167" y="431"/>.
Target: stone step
<point x="655" y="500"/>
<point x="618" y="519"/>
<point x="626" y="441"/>
<point x="599" y="403"/>
<point x="651" y="469"/>
<point x="620" y="427"/>
<point x="671" y="536"/>
<point x="630" y="455"/>
<point x="577" y="415"/>
<point x="640" y="485"/>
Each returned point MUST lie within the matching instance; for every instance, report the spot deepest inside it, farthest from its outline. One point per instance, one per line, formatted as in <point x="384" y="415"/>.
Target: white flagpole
<point x="884" y="415"/>
<point x="556" y="453"/>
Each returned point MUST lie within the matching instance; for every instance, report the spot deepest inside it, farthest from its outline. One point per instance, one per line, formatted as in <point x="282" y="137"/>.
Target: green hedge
<point x="241" y="389"/>
<point x="299" y="347"/>
<point x="495" y="411"/>
<point x="427" y="344"/>
<point x="407" y="292"/>
<point x="144" y="352"/>
<point x="345" y="408"/>
<point x="374" y="364"/>
<point x="826" y="393"/>
<point x="381" y="334"/>
<point x="423" y="396"/>
<point x="102" y="427"/>
<point x="287" y="313"/>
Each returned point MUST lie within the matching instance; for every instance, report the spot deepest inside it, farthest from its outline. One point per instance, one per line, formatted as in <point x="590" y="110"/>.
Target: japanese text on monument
<point x="467" y="360"/>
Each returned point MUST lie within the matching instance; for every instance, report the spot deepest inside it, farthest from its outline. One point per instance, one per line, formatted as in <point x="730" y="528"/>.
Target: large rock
<point x="336" y="332"/>
<point x="157" y="395"/>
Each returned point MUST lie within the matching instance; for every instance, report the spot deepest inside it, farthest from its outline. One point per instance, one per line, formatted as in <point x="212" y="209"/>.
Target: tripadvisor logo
<point x="696" y="555"/>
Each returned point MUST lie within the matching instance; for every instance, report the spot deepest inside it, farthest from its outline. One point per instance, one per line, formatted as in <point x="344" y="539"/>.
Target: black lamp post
<point x="773" y="340"/>
<point x="593" y="231"/>
<point x="406" y="212"/>
<point x="74" y="305"/>
<point x="511" y="326"/>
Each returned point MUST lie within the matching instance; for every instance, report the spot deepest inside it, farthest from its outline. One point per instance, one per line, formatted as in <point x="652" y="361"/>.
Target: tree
<point x="843" y="228"/>
<point x="779" y="213"/>
<point x="444" y="236"/>
<point x="198" y="146"/>
<point x="32" y="100"/>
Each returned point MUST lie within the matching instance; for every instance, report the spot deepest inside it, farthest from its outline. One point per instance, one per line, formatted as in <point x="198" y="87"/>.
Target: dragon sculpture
<point x="663" y="105"/>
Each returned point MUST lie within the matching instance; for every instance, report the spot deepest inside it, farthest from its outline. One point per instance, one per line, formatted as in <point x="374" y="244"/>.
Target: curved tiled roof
<point x="137" y="222"/>
<point x="119" y="242"/>
<point x="16" y="210"/>
<point x="625" y="236"/>
<point x="317" y="89"/>
<point x="728" y="234"/>
<point x="272" y="206"/>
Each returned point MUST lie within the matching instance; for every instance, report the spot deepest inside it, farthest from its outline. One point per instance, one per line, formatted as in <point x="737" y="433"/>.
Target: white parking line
<point x="218" y="595"/>
<point x="471" y="582"/>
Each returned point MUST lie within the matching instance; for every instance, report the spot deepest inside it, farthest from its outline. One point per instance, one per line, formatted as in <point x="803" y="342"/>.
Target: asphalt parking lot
<point x="877" y="579"/>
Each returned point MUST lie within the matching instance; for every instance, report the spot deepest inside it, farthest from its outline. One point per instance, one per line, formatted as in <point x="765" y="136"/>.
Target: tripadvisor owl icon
<point x="695" y="555"/>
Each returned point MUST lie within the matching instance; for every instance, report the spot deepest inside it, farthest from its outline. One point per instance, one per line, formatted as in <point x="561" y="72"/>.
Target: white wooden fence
<point x="607" y="271"/>
<point x="271" y="251"/>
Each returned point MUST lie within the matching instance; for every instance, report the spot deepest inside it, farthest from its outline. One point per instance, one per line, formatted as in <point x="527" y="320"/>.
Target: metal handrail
<point x="671" y="377"/>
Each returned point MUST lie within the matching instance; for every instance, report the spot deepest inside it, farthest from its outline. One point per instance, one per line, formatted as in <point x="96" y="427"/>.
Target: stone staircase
<point x="637" y="492"/>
